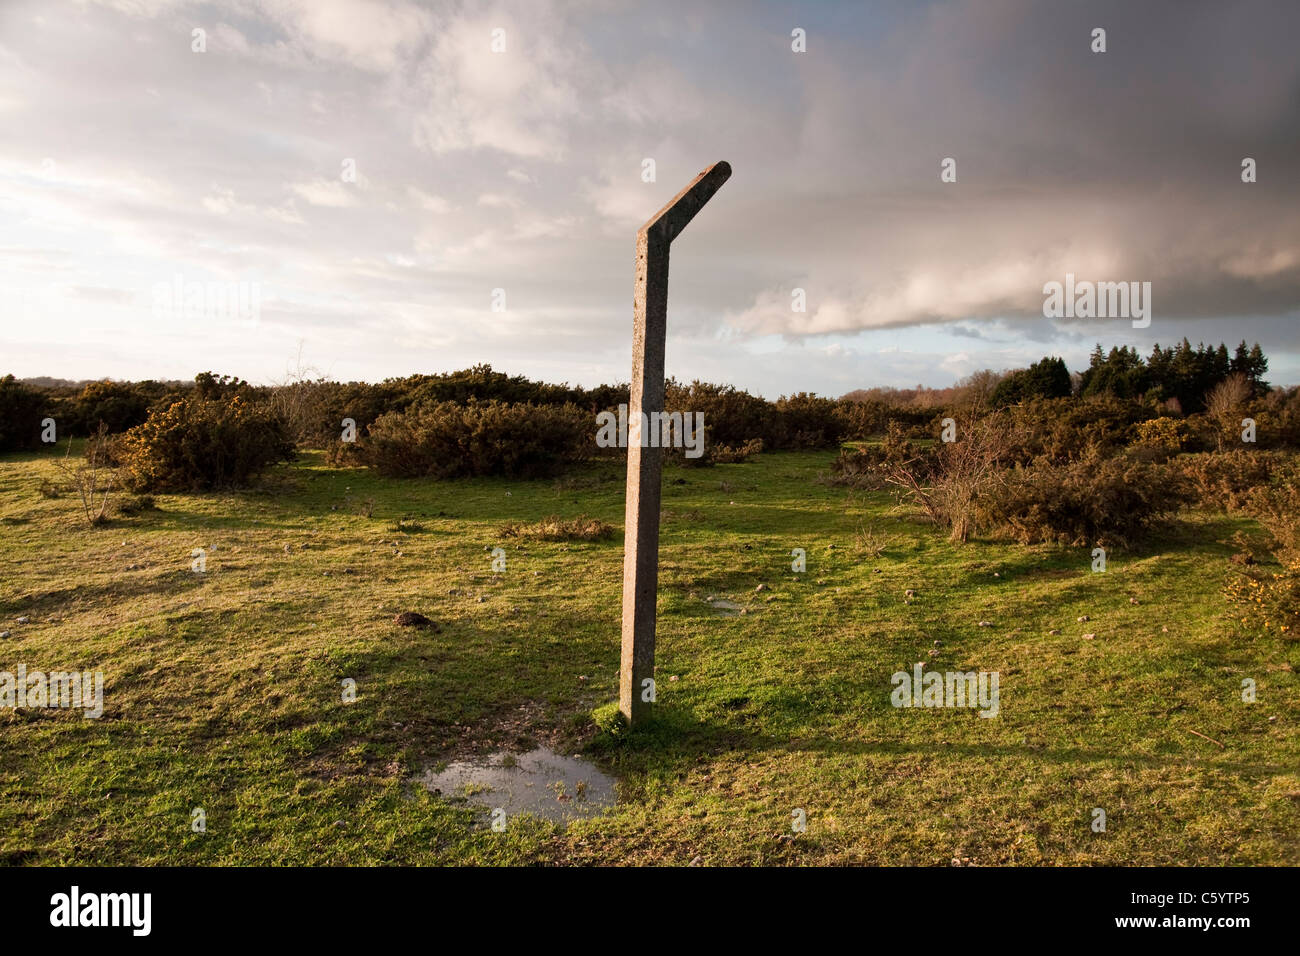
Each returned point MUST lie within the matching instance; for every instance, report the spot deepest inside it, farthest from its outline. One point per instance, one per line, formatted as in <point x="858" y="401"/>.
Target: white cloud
<point x="429" y="202"/>
<point x="372" y="35"/>
<point x="498" y="201"/>
<point x="519" y="102"/>
<point x="327" y="192"/>
<point x="523" y="170"/>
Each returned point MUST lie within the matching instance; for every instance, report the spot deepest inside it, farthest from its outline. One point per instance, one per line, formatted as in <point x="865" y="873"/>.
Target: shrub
<point x="482" y="384"/>
<point x="871" y="466"/>
<point x="93" y="480"/>
<point x="714" y="453"/>
<point x="552" y="528"/>
<point x="196" y="444"/>
<point x="1282" y="406"/>
<point x="448" y="440"/>
<point x="1226" y="404"/>
<point x="1225" y="480"/>
<point x="861" y="419"/>
<point x="104" y="450"/>
<point x="137" y="504"/>
<point x="856" y="468"/>
<point x="1270" y="601"/>
<point x="727" y="455"/>
<point x="363" y="403"/>
<point x="1164" y="436"/>
<point x="805" y="421"/>
<point x="305" y="405"/>
<point x="211" y="388"/>
<point x="1276" y="506"/>
<point x="950" y="482"/>
<point x="1063" y="430"/>
<point x="731" y="417"/>
<point x="21" y="410"/>
<point x="117" y="406"/>
<point x="1111" y="501"/>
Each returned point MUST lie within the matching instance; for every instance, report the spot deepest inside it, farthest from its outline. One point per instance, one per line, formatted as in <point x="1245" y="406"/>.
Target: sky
<point x="393" y="195"/>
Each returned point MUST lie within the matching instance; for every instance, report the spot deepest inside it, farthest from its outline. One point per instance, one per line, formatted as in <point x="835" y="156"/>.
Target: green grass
<point x="224" y="689"/>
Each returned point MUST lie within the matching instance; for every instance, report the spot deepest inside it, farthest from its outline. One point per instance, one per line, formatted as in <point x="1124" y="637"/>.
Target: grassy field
<point x="223" y="688"/>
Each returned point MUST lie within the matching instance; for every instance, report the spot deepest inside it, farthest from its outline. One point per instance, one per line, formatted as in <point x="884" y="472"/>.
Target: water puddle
<point x="540" y="782"/>
<point x="729" y="608"/>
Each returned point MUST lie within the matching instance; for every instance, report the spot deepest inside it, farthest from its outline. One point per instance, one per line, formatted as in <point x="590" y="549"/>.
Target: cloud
<point x="429" y="202"/>
<point x="326" y="192"/>
<point x="371" y="35"/>
<point x="522" y="170"/>
<point x="519" y="100"/>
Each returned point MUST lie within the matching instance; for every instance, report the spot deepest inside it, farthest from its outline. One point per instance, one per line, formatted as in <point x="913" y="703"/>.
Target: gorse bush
<point x="450" y="440"/>
<point x="1164" y="435"/>
<point x="1225" y="481"/>
<point x="1062" y="430"/>
<point x="863" y="418"/>
<point x="197" y="444"/>
<point x="77" y="410"/>
<point x="1108" y="502"/>
<point x="874" y="466"/>
<point x="21" y="411"/>
<point x="317" y="408"/>
<point x="733" y="419"/>
<point x="726" y="455"/>
<point x="1000" y="475"/>
<point x="731" y="416"/>
<point x="856" y="468"/>
<point x="1267" y="599"/>
<point x="804" y="420"/>
<point x="117" y="406"/>
<point x="1276" y="506"/>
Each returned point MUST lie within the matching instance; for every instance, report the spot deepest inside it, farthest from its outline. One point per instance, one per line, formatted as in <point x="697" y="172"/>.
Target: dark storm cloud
<point x="131" y="159"/>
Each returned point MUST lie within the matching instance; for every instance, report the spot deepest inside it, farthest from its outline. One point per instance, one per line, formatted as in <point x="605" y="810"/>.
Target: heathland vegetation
<point x="953" y="526"/>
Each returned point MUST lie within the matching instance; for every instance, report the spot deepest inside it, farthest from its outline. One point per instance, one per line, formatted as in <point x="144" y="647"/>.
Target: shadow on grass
<point x="111" y="592"/>
<point x="675" y="739"/>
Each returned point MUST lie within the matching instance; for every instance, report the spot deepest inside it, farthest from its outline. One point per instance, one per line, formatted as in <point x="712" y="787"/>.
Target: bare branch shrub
<point x="93" y="479"/>
<point x="948" y="480"/>
<point x="1226" y="404"/>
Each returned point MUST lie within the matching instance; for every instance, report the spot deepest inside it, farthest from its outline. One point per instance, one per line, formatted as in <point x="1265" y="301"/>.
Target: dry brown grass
<point x="552" y="528"/>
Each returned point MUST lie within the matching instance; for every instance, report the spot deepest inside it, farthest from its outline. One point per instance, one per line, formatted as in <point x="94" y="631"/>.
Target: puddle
<point x="731" y="608"/>
<point x="540" y="782"/>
